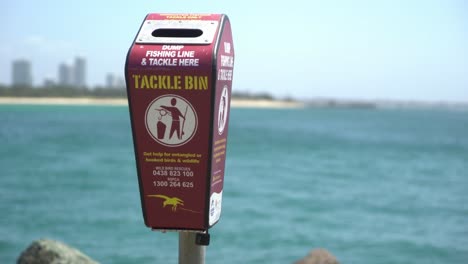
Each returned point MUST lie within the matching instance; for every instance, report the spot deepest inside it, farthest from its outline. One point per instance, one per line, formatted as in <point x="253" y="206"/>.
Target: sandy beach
<point x="244" y="103"/>
<point x="61" y="101"/>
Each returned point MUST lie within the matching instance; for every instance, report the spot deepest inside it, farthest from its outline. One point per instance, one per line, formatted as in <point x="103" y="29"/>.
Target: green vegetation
<point x="248" y="95"/>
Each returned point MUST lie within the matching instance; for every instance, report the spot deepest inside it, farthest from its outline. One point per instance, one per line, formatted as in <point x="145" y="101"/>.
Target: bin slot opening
<point x="177" y="33"/>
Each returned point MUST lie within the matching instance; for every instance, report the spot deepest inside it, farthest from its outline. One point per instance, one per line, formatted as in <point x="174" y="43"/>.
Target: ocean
<point x="372" y="186"/>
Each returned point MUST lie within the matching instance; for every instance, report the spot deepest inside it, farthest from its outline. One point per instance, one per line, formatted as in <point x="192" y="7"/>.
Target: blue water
<point x="371" y="186"/>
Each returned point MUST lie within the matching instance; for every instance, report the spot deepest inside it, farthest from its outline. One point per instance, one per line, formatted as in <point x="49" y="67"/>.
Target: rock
<point x="46" y="251"/>
<point x="318" y="256"/>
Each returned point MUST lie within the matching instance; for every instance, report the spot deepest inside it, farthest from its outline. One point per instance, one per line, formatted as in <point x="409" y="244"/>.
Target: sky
<point x="361" y="49"/>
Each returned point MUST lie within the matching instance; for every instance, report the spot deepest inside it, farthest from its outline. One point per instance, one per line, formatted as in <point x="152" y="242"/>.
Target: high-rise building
<point x="49" y="82"/>
<point x="110" y="80"/>
<point x="21" y="73"/>
<point x="65" y="75"/>
<point x="79" y="72"/>
<point x="114" y="82"/>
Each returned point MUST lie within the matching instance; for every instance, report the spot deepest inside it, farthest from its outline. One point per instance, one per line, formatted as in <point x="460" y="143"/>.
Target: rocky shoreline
<point x="46" y="251"/>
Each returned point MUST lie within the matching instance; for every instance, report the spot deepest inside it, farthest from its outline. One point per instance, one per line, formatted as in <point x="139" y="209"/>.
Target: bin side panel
<point x="222" y="101"/>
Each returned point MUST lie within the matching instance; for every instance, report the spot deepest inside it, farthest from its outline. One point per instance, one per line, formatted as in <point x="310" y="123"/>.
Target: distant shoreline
<point x="263" y="103"/>
<point x="384" y="104"/>
<point x="241" y="103"/>
<point x="62" y="101"/>
<point x="250" y="103"/>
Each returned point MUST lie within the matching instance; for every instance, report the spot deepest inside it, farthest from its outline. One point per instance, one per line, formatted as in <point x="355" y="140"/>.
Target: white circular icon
<point x="223" y="110"/>
<point x="171" y="120"/>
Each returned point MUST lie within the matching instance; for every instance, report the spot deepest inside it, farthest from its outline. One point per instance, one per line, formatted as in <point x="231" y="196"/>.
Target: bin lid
<point x="177" y="32"/>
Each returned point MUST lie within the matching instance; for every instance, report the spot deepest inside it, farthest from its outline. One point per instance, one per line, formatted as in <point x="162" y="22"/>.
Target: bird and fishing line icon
<point x="223" y="109"/>
<point x="175" y="203"/>
<point x="171" y="120"/>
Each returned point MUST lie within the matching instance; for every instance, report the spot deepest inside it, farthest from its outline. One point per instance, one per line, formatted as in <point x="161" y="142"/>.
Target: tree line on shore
<point x="98" y="92"/>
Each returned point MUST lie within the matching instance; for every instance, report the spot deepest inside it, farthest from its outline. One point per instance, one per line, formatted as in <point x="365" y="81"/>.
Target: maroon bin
<point x="183" y="64"/>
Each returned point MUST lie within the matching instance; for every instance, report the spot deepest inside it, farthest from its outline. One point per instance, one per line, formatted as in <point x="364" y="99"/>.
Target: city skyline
<point x="73" y="74"/>
<point x="68" y="75"/>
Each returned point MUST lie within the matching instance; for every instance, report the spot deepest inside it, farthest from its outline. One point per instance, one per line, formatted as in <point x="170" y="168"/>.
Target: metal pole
<point x="189" y="251"/>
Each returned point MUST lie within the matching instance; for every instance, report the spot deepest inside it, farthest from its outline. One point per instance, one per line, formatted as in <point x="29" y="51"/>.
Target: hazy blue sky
<point x="343" y="49"/>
